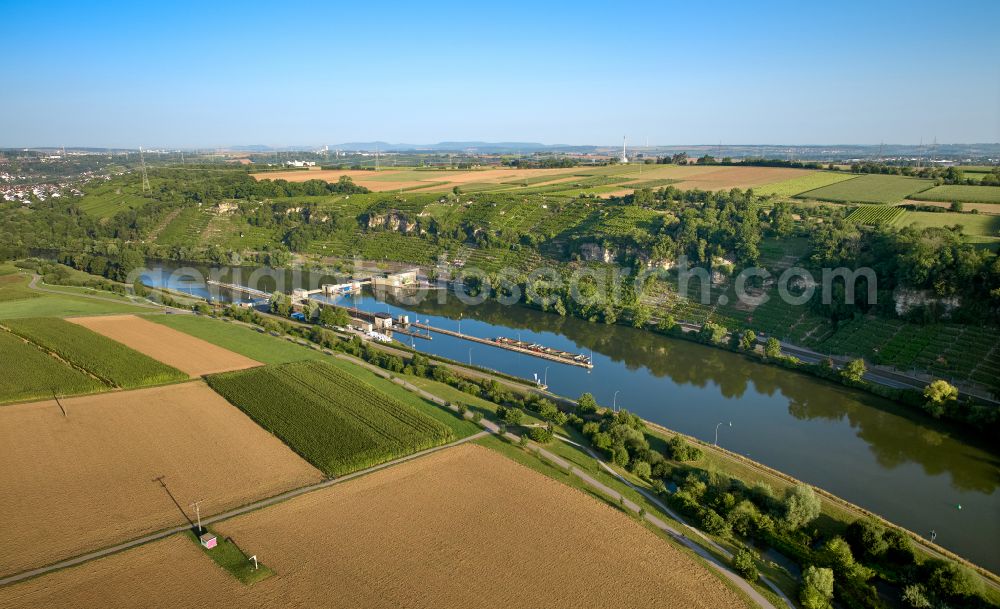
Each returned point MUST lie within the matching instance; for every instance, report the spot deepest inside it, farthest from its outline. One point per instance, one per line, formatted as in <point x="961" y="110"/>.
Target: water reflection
<point x="870" y="451"/>
<point x="893" y="436"/>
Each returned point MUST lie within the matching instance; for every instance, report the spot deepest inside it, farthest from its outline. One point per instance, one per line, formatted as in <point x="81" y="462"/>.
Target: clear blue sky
<point x="179" y="74"/>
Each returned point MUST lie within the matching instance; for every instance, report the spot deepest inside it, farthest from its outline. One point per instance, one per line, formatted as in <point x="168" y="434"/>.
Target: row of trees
<point x="840" y="565"/>
<point x="944" y="175"/>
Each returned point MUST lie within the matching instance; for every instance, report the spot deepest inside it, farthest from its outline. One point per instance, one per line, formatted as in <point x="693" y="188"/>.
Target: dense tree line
<point x="212" y="186"/>
<point x="842" y="562"/>
<point x="933" y="259"/>
<point x="942" y="175"/>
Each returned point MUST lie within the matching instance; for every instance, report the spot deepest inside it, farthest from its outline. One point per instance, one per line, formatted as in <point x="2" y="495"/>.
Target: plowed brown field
<point x="87" y="481"/>
<point x="182" y="351"/>
<point x="464" y="527"/>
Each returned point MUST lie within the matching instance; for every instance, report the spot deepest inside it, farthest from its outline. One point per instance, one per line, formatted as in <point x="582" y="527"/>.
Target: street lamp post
<point x="470" y="356"/>
<point x="614" y="402"/>
<point x="545" y="381"/>
<point x="717" y="432"/>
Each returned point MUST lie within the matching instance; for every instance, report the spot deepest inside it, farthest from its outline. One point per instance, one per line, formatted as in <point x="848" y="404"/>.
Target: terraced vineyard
<point x="388" y="245"/>
<point x="875" y="214"/>
<point x="105" y="200"/>
<point x="110" y="361"/>
<point x="186" y="228"/>
<point x="951" y="351"/>
<point x="334" y="420"/>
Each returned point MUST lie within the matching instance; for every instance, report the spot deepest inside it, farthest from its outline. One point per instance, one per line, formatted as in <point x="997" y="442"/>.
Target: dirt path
<point x="33" y="284"/>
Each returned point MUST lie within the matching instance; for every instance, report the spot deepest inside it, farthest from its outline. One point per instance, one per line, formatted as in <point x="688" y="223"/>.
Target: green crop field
<point x="239" y="338"/>
<point x="980" y="227"/>
<point x="15" y="287"/>
<point x="335" y="421"/>
<point x="875" y="214"/>
<point x="963" y="193"/>
<point x="273" y="350"/>
<point x="110" y="361"/>
<point x="18" y="300"/>
<point x="52" y="305"/>
<point x="869" y="189"/>
<point x="31" y="374"/>
<point x="802" y="184"/>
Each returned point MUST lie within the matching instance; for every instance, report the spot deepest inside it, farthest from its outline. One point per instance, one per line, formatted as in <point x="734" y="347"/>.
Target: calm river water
<point x="864" y="449"/>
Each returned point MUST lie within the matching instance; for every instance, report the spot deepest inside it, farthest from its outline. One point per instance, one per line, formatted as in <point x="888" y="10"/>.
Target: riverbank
<point x="887" y="458"/>
<point x="839" y="510"/>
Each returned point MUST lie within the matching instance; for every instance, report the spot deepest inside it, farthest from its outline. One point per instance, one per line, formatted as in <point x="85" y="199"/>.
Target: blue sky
<point x="177" y="74"/>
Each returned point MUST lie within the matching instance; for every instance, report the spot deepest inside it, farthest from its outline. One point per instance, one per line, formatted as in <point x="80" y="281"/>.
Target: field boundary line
<point x="250" y="507"/>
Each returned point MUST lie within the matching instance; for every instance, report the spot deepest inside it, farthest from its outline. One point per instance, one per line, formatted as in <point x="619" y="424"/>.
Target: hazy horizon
<point x="125" y="75"/>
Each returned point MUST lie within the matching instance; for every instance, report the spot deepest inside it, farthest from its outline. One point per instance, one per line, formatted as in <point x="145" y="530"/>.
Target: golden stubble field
<point x="182" y="351"/>
<point x="464" y="527"/>
<point x="87" y="481"/>
<point x="432" y="181"/>
<point x="704" y="177"/>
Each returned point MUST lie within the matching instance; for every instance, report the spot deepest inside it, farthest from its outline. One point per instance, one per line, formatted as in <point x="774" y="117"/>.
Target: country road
<point x="256" y="505"/>
<point x="489" y="428"/>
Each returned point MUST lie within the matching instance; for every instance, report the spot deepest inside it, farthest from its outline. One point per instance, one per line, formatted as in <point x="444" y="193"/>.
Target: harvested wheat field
<point x="329" y="175"/>
<point x="87" y="480"/>
<point x="464" y="527"/>
<point x="182" y="351"/>
<point x="171" y="573"/>
<point x="431" y="181"/>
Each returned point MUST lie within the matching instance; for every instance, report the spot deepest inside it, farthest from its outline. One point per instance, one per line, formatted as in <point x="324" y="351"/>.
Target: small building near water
<point x="383" y="321"/>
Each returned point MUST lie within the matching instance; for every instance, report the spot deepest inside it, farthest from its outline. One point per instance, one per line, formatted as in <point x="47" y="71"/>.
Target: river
<point x="913" y="471"/>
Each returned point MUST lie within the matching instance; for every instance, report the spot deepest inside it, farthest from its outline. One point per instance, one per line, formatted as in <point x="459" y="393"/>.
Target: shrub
<point x="542" y="435"/>
<point x="913" y="596"/>
<point x="679" y="450"/>
<point x="642" y="469"/>
<point x="712" y="523"/>
<point x="867" y="537"/>
<point x="772" y="348"/>
<point x="950" y="580"/>
<point x="745" y="563"/>
<point x="938" y="395"/>
<point x="816" y="590"/>
<point x="854" y="371"/>
<point x="510" y="415"/>
<point x="586" y="404"/>
<point x="801" y="506"/>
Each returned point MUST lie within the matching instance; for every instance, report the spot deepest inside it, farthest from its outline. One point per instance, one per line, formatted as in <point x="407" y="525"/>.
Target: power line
<point x="145" y="177"/>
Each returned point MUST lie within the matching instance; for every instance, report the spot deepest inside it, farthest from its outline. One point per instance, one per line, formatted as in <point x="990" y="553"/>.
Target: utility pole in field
<point x="197" y="510"/>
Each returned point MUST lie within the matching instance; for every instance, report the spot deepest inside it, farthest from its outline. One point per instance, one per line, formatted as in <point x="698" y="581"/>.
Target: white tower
<point x="624" y="158"/>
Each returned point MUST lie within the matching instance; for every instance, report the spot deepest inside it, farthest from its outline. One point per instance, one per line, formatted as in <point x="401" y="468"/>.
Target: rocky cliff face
<point x="393" y="221"/>
<point x="907" y="299"/>
<point x="602" y="253"/>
